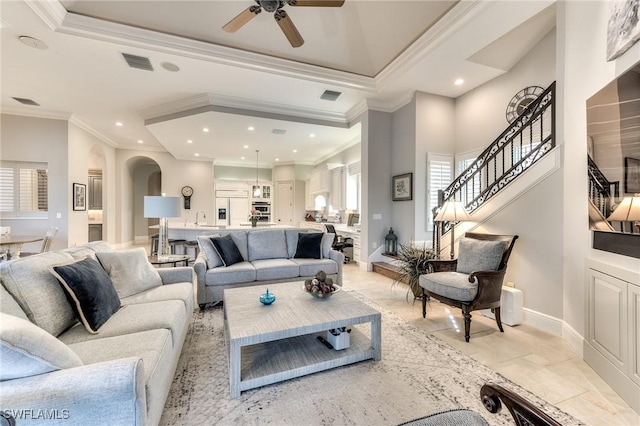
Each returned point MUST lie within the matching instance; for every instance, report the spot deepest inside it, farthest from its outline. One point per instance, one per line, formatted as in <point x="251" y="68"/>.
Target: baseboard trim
<point x="575" y="340"/>
<point x="544" y="322"/>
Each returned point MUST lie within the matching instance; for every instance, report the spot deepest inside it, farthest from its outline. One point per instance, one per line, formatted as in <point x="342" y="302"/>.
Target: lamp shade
<point x="452" y="211"/>
<point x="628" y="210"/>
<point x="159" y="207"/>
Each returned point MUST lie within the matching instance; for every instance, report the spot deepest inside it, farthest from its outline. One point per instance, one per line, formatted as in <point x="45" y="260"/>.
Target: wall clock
<point x="187" y="192"/>
<point x="521" y="101"/>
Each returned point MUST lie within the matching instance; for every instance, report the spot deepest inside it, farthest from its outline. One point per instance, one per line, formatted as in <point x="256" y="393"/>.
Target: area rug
<point x="418" y="375"/>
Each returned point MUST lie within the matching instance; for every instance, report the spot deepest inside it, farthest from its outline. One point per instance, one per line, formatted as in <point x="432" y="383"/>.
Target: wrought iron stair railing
<point x="527" y="139"/>
<point x="602" y="192"/>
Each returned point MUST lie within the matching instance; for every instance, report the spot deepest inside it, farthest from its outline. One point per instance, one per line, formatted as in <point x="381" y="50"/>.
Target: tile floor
<point x="540" y="362"/>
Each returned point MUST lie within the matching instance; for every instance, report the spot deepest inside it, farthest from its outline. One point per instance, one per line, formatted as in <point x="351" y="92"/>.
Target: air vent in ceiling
<point x="278" y="131"/>
<point x="26" y="101"/>
<point x="330" y="95"/>
<point x="139" y="62"/>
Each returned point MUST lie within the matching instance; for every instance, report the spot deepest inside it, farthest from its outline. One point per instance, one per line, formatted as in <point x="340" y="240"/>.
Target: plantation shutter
<point x="439" y="175"/>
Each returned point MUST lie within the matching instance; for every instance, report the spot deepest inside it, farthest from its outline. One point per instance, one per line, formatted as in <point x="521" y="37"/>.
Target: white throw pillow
<point x="27" y="350"/>
<point x="130" y="271"/>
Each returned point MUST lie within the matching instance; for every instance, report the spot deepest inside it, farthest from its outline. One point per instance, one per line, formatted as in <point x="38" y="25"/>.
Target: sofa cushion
<point x="453" y="285"/>
<point x="155" y="349"/>
<point x="276" y="269"/>
<point x="242" y="272"/>
<point x="479" y="255"/>
<point x="8" y="305"/>
<point x="176" y="291"/>
<point x="27" y="350"/>
<point x="206" y="246"/>
<point x="327" y="243"/>
<point x="309" y="246"/>
<point x="37" y="291"/>
<point x="130" y="271"/>
<point x="309" y="267"/>
<point x="89" y="291"/>
<point x="167" y="314"/>
<point x="227" y="250"/>
<point x="267" y="244"/>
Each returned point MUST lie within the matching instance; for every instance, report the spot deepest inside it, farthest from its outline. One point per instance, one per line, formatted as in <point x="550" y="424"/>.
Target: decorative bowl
<point x="267" y="298"/>
<point x="320" y="295"/>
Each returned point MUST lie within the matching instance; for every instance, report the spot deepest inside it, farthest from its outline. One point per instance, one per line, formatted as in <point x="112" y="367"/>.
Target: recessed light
<point x="189" y="141"/>
<point x="295" y="150"/>
<point x="312" y="135"/>
<point x="170" y="67"/>
<point x="196" y="155"/>
<point x="33" y="42"/>
<point x="251" y="128"/>
<point x="205" y="129"/>
<point x="140" y="141"/>
<point x="277" y="159"/>
<point x="242" y="158"/>
<point x="119" y="123"/>
<point x="458" y="82"/>
<point x="246" y="146"/>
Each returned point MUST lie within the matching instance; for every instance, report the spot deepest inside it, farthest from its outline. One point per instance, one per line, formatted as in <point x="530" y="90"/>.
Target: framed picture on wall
<point x="631" y="175"/>
<point x="402" y="187"/>
<point x="79" y="196"/>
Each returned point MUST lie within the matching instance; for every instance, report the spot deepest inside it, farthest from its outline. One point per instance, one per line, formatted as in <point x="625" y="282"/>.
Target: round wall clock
<point x="187" y="192"/>
<point x="521" y="101"/>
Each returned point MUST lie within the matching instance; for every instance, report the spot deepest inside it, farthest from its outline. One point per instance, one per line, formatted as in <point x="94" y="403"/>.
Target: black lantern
<point x="391" y="243"/>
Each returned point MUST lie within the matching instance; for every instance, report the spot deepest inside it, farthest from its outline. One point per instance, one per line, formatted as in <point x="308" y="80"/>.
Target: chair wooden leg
<point x="467" y="324"/>
<point x="496" y="312"/>
<point x="424" y="304"/>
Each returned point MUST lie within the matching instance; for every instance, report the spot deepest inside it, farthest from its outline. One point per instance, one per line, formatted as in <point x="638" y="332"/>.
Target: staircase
<point x="387" y="268"/>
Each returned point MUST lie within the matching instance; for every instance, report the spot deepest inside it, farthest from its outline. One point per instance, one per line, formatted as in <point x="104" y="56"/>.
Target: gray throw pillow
<point x="27" y="350"/>
<point x="130" y="271"/>
<point x="90" y="292"/>
<point x="210" y="254"/>
<point x="327" y="243"/>
<point x="479" y="255"/>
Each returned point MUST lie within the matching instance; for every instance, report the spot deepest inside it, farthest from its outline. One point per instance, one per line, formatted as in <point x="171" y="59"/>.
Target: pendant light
<point x="257" y="192"/>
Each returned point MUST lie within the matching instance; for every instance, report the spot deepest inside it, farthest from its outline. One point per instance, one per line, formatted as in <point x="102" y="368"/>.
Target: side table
<point x="172" y="258"/>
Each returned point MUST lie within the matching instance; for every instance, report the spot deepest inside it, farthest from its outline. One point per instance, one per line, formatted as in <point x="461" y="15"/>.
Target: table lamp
<point x="162" y="208"/>
<point x="628" y="211"/>
<point x="452" y="211"/>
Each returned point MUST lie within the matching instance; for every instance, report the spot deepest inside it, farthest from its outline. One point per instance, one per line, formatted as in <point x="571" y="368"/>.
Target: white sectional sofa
<point x="268" y="256"/>
<point x="54" y="367"/>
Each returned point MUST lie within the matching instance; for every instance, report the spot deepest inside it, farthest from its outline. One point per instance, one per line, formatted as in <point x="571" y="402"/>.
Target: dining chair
<point x="46" y="242"/>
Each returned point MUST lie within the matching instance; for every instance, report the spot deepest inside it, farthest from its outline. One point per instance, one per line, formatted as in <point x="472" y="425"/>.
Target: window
<point x="473" y="187"/>
<point x="24" y="189"/>
<point x="439" y="175"/>
<point x="353" y="186"/>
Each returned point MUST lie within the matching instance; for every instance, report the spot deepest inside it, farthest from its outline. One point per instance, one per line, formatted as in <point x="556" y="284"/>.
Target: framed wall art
<point x="79" y="196"/>
<point x="623" y="30"/>
<point x="631" y="175"/>
<point x="402" y="187"/>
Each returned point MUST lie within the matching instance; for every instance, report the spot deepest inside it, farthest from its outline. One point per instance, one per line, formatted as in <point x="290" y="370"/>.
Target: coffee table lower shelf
<point x="271" y="362"/>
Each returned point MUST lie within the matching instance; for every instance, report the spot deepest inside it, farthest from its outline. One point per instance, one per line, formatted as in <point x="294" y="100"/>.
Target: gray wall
<point x="41" y="140"/>
<point x="403" y="148"/>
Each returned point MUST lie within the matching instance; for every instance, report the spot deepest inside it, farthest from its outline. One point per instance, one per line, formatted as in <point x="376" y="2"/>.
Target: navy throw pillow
<point x="90" y="292"/>
<point x="227" y="250"/>
<point x="309" y="246"/>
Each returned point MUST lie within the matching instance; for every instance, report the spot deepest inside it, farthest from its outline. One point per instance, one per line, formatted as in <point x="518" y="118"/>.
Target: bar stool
<point x="192" y="244"/>
<point x="173" y="243"/>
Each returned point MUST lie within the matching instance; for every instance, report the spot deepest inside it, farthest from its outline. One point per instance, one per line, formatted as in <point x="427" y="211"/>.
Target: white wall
<point x="41" y="140"/>
<point x="582" y="70"/>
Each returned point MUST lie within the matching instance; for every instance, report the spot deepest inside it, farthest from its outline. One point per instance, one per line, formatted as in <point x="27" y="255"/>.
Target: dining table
<point x="11" y="245"/>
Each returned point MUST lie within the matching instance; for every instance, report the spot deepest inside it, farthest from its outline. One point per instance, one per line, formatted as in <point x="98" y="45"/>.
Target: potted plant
<point x="413" y="262"/>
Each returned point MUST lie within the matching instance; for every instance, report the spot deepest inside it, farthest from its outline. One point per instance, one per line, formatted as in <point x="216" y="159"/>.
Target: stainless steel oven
<point x="264" y="207"/>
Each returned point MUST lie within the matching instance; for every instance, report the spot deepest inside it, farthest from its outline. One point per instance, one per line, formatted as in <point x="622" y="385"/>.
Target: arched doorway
<point x="96" y="194"/>
<point x="143" y="177"/>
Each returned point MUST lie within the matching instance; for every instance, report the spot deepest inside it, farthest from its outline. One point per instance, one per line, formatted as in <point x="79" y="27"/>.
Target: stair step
<point x="386" y="269"/>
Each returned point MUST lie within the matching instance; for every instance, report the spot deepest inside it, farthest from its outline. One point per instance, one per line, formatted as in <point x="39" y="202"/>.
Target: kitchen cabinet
<point x="95" y="192"/>
<point x="95" y="232"/>
<point x="338" y="189"/>
<point x="320" y="180"/>
<point x="612" y="346"/>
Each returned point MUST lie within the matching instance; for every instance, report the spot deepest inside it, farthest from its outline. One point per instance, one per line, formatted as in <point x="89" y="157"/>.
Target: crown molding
<point x="449" y="24"/>
<point x="209" y="102"/>
<point x="87" y="128"/>
<point x="83" y="26"/>
<point x="36" y="112"/>
<point x="377" y="105"/>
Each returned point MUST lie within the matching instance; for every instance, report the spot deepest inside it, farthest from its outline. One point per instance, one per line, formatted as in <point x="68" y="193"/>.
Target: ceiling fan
<point x="282" y="18"/>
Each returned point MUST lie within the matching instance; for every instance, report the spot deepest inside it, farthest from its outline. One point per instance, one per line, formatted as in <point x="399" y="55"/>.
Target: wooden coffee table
<point x="272" y="343"/>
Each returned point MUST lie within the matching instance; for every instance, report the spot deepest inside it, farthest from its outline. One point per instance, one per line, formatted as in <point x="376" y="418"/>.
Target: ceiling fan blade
<point x="243" y="17"/>
<point x="290" y="31"/>
<point x="316" y="3"/>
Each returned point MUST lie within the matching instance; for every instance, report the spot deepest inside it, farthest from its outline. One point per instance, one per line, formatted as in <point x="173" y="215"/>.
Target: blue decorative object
<point x="267" y="298"/>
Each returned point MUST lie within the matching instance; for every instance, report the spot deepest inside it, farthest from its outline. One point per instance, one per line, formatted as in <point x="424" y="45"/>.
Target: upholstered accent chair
<point x="472" y="281"/>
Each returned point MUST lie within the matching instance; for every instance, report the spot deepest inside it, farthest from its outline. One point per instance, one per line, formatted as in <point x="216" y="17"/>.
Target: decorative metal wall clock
<point x="521" y="101"/>
<point x="187" y="192"/>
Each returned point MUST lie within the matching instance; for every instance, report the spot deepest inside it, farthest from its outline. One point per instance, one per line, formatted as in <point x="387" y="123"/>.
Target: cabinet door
<point x="608" y="317"/>
<point x="95" y="192"/>
<point x="634" y="333"/>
